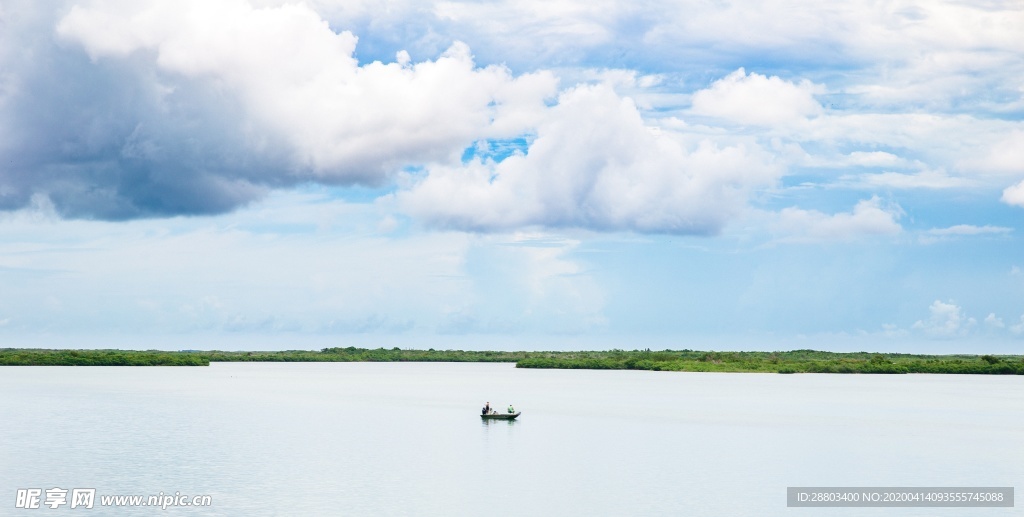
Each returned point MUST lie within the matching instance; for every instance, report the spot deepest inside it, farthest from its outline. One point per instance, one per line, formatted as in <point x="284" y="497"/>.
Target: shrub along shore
<point x="796" y="361"/>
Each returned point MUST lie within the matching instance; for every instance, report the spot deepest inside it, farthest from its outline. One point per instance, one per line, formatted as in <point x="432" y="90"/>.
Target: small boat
<point x="501" y="416"/>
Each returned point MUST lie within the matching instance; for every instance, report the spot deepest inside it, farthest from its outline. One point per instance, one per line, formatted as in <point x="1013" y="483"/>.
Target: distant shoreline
<point x="796" y="361"/>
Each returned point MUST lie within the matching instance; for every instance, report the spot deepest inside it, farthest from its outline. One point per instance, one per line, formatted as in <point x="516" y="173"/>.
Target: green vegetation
<point x="42" y="357"/>
<point x="353" y="354"/>
<point x="37" y="357"/>
<point x="796" y="361"/>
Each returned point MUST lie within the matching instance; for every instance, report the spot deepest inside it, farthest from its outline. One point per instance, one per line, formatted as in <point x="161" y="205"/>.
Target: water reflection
<point x="492" y="421"/>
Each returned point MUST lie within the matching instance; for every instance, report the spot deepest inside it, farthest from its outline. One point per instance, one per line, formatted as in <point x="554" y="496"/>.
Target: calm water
<point x="405" y="439"/>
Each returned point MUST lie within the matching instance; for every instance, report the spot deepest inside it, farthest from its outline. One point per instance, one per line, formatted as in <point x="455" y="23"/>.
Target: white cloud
<point x="868" y="217"/>
<point x="891" y="330"/>
<point x="299" y="79"/>
<point x="932" y="55"/>
<point x="594" y="164"/>
<point x="757" y="100"/>
<point x="543" y="26"/>
<point x="1003" y="155"/>
<point x="875" y="159"/>
<point x="1014" y="195"/>
<point x="947" y="320"/>
<point x="1019" y="327"/>
<point x="961" y="230"/>
<point x="928" y="179"/>
<point x="937" y="145"/>
<point x="908" y="48"/>
<point x="969" y="229"/>
<point x="993" y="321"/>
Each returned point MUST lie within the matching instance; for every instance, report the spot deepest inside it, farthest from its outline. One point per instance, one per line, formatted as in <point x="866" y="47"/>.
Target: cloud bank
<point x="119" y="110"/>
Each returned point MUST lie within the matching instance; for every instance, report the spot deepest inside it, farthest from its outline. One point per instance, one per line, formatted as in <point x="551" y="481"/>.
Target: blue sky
<point x="258" y="174"/>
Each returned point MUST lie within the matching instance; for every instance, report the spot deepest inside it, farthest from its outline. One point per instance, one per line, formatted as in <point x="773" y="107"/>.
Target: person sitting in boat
<point x="487" y="409"/>
<point x="511" y="409"/>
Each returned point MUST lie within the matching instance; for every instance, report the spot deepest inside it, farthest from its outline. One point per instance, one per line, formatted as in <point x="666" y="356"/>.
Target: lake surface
<point x="407" y="439"/>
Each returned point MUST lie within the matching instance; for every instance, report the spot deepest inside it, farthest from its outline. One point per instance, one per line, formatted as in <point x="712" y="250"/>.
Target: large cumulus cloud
<point x="121" y="110"/>
<point x="595" y="164"/>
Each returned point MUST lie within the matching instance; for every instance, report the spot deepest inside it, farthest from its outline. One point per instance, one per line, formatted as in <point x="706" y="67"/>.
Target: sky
<point x="565" y="174"/>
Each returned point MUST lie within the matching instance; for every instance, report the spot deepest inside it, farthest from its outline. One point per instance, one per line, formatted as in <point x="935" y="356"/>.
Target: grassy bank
<point x="45" y="357"/>
<point x="796" y="361"/>
<point x="40" y="357"/>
